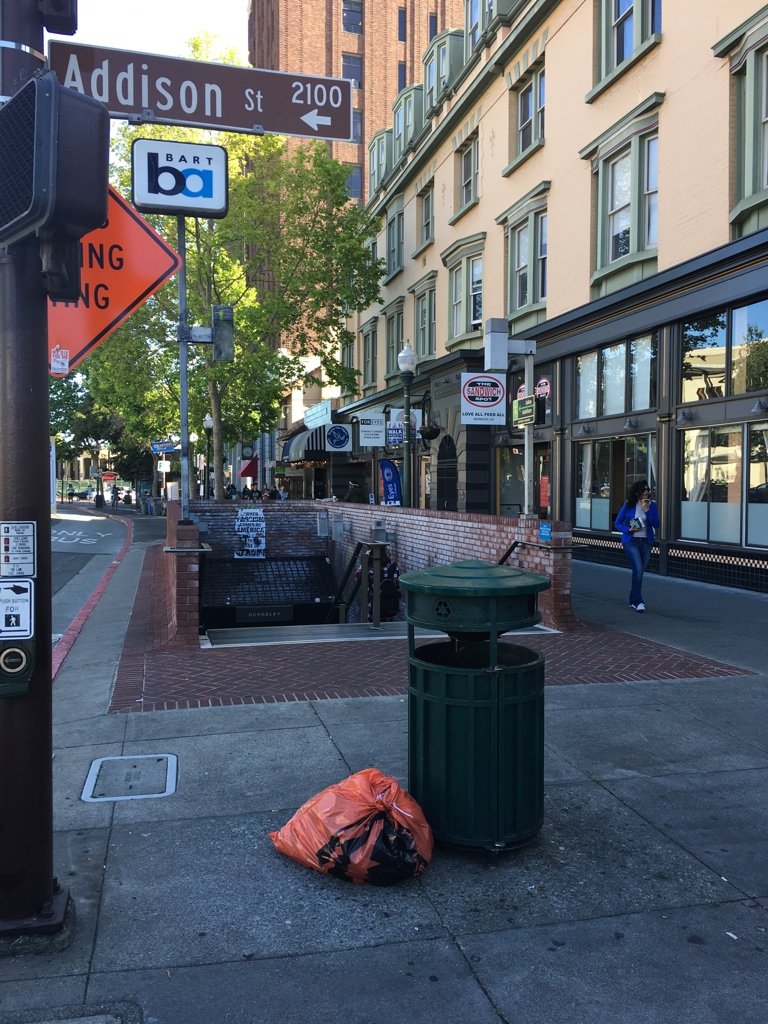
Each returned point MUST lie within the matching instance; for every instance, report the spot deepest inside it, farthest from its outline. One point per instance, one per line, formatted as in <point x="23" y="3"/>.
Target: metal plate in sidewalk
<point x="141" y="777"/>
<point x="101" y="1013"/>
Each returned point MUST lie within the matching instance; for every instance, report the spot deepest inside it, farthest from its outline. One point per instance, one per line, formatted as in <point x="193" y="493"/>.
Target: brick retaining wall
<point x="422" y="538"/>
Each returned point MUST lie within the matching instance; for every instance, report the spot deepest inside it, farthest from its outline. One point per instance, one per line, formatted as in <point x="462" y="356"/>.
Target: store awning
<point x="309" y="444"/>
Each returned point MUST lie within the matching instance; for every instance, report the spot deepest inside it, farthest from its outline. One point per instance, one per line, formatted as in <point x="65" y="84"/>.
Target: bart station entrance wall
<point x="417" y="539"/>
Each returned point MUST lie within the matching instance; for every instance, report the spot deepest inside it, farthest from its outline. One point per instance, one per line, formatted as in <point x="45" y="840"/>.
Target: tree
<point x="291" y="257"/>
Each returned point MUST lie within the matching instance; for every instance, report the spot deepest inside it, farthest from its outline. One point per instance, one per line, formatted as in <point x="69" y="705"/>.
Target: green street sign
<point x="523" y="411"/>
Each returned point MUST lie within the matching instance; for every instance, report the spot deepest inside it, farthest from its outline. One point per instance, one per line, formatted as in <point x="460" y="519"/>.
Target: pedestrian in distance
<point x="638" y="519"/>
<point x="355" y="493"/>
<point x="70" y="493"/>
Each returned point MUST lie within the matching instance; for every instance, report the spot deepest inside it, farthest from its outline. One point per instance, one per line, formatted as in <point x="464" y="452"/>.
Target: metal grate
<point x="265" y="581"/>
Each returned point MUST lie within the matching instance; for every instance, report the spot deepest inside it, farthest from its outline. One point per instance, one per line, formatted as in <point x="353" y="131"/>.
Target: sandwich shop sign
<point x="483" y="398"/>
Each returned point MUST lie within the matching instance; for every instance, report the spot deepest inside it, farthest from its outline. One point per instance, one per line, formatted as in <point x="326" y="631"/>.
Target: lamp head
<point x="208" y="421"/>
<point x="406" y="359"/>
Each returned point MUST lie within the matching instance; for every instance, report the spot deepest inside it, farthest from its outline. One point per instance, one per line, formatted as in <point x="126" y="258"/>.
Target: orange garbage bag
<point x="364" y="829"/>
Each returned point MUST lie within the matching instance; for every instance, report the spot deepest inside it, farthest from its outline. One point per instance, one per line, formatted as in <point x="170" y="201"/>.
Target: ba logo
<point x="167" y="180"/>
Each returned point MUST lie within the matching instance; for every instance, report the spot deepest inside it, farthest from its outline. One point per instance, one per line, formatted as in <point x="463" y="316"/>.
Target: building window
<point x="394" y="339"/>
<point x="357" y="126"/>
<point x="725" y="353"/>
<point x="379" y="155"/>
<point x="352" y="16"/>
<point x="348" y="357"/>
<point x="427" y="215"/>
<point x="369" y="356"/>
<point x="430" y="78"/>
<point x="401" y="24"/>
<point x="527" y="246"/>
<point x="395" y="244"/>
<point x="426" y="324"/>
<point x="399" y="130"/>
<point x="401" y="81"/>
<point x="530" y="112"/>
<point x="432" y="26"/>
<point x="467" y="296"/>
<point x="628" y="183"/>
<point x="471" y="24"/>
<point x="617" y="378"/>
<point x="355" y="182"/>
<point x="468" y="169"/>
<point x="627" y="27"/>
<point x="352" y="68"/>
<point x="749" y="68"/>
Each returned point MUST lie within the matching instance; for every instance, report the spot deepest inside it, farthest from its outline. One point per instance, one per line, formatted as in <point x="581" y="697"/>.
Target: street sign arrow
<point x="314" y="120"/>
<point x="151" y="88"/>
<point x="122" y="265"/>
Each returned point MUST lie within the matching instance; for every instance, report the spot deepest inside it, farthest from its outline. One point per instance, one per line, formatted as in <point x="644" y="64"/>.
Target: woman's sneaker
<point x="639" y="607"/>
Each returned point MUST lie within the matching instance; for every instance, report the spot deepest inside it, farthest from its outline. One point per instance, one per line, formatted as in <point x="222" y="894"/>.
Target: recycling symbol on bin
<point x="442" y="609"/>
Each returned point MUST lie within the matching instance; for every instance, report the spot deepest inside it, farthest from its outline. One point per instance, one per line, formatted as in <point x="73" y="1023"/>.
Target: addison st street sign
<point x="148" y="87"/>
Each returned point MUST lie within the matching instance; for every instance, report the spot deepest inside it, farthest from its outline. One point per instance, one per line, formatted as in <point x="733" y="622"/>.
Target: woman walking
<point x="637" y="520"/>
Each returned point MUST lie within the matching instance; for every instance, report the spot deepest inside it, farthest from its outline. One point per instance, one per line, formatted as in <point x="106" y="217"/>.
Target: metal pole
<point x="407" y="378"/>
<point x="183" y="368"/>
<point x="30" y="899"/>
<point x="207" y="484"/>
<point x="531" y="508"/>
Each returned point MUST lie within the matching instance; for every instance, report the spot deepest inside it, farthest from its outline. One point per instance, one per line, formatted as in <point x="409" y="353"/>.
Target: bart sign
<point x="122" y="265"/>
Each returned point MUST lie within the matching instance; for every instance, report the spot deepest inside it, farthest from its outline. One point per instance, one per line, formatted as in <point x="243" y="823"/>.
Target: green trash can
<point x="476" y="706"/>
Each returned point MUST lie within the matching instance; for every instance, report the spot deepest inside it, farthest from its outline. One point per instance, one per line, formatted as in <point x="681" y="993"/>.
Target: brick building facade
<point x="384" y="40"/>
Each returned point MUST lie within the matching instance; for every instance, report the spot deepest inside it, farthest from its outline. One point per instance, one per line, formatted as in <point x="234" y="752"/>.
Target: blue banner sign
<point x="390" y="478"/>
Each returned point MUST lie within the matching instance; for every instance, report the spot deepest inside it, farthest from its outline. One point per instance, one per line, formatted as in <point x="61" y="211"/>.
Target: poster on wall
<point x="484" y="398"/>
<point x="251" y="528"/>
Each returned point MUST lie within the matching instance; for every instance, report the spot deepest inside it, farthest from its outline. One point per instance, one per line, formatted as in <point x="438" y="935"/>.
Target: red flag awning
<point x="251" y="468"/>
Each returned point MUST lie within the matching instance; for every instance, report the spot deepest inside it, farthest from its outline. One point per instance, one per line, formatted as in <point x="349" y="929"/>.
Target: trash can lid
<point x="475" y="578"/>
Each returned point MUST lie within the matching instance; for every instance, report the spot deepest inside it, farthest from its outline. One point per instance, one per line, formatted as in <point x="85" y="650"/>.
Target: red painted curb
<point x="64" y="646"/>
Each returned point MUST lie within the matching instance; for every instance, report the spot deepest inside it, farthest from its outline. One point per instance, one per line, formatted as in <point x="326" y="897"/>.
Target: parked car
<point x="759" y="493"/>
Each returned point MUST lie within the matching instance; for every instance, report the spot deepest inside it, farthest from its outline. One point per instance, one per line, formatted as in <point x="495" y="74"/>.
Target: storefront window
<point x="593" y="475"/>
<point x="586" y="385"/>
<point x="543" y="390"/>
<point x="725" y="356"/>
<point x="711" y="492"/>
<point x="704" y="354"/>
<point x="613" y="379"/>
<point x="757" y="486"/>
<point x="749" y="351"/>
<point x="642" y="370"/>
<point x="605" y="470"/>
<point x="632" y="361"/>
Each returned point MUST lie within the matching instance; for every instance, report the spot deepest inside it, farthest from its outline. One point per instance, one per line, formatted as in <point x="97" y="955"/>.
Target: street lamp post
<point x="208" y="427"/>
<point x="406" y="361"/>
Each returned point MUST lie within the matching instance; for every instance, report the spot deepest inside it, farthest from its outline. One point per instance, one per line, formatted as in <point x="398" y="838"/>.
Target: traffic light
<point x="59" y="16"/>
<point x="223" y="334"/>
<point x="54" y="162"/>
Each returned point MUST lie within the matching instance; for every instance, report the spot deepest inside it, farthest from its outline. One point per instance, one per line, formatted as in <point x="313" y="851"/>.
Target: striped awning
<point x="309" y="444"/>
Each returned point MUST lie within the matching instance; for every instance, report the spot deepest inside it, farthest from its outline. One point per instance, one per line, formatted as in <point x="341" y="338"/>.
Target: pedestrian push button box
<point x="16" y="665"/>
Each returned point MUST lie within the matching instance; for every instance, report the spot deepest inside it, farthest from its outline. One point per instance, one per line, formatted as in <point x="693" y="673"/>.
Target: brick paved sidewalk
<point x="151" y="678"/>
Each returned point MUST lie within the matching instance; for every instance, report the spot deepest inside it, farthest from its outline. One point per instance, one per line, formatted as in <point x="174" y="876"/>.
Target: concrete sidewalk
<point x="644" y="899"/>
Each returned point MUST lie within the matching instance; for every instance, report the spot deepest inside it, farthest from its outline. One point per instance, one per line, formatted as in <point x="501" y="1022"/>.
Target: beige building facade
<point x="595" y="175"/>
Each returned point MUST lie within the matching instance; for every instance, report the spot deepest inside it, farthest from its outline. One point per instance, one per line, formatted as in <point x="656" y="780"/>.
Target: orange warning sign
<point x="122" y="265"/>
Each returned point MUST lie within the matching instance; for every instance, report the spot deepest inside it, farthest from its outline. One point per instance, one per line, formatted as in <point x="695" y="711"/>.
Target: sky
<point x="161" y="26"/>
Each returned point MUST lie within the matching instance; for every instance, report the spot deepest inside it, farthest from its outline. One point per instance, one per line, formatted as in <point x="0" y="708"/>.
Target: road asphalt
<point x="643" y="900"/>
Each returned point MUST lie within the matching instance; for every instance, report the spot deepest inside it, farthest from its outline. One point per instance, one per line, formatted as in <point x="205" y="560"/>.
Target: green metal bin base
<point x="476" y="742"/>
